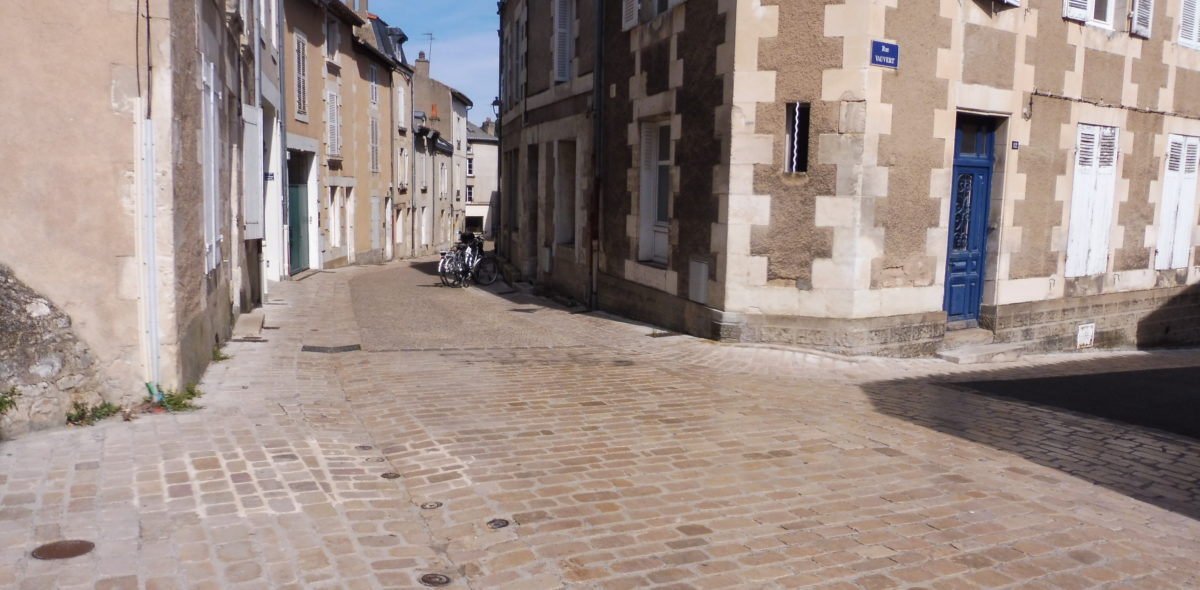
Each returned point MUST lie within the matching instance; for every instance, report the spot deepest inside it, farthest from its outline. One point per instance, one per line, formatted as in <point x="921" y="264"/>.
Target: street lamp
<point x="496" y="107"/>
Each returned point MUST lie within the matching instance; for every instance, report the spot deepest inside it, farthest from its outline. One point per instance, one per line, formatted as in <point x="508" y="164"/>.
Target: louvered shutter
<point x="301" y="75"/>
<point x="1188" y="35"/>
<point x="563" y="18"/>
<point x="1082" y="194"/>
<point x="630" y="13"/>
<point x="1102" y="202"/>
<point x="1168" y="207"/>
<point x="1185" y="222"/>
<point x="331" y="112"/>
<point x="1141" y="18"/>
<point x="1076" y="9"/>
<point x="338" y="126"/>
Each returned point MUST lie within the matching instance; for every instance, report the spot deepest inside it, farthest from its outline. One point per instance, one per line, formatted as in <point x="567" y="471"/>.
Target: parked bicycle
<point x="466" y="263"/>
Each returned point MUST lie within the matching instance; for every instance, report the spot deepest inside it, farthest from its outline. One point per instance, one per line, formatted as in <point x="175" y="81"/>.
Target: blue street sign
<point x="885" y="55"/>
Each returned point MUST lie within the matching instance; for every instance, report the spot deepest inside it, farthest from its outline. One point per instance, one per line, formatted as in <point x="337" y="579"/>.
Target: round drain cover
<point x="497" y="523"/>
<point x="364" y="447"/>
<point x="434" y="580"/>
<point x="63" y="549"/>
<point x="390" y="475"/>
<point x="431" y="505"/>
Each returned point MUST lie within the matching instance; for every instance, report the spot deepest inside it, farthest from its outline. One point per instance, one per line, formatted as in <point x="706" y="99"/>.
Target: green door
<point x="297" y="228"/>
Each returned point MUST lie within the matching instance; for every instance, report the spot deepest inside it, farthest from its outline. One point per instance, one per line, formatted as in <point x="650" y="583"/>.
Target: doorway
<point x="297" y="213"/>
<point x="970" y="201"/>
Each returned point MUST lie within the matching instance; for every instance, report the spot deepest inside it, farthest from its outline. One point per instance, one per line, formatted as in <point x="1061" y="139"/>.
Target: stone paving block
<point x="619" y="460"/>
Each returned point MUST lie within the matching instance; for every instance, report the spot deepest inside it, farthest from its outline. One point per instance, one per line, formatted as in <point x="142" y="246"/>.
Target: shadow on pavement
<point x="1133" y="432"/>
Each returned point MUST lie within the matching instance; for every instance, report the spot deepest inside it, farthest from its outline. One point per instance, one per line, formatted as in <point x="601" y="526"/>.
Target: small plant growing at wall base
<point x="84" y="415"/>
<point x="8" y="400"/>
<point x="219" y="355"/>
<point x="178" y="401"/>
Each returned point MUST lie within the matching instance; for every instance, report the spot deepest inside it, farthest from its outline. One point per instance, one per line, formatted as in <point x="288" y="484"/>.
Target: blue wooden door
<point x="974" y="151"/>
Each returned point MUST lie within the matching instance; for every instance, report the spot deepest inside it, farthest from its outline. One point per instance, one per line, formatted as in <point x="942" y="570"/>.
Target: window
<point x="631" y="11"/>
<point x="1095" y="12"/>
<point x="331" y="39"/>
<point x="470" y="192"/>
<point x="1177" y="212"/>
<point x="470" y="166"/>
<point x="301" y="75"/>
<point x="210" y="125"/>
<point x="333" y="124"/>
<point x="402" y="166"/>
<point x="1092" y="200"/>
<point x="442" y="180"/>
<point x="655" y="192"/>
<point x="564" y="19"/>
<point x="798" y="114"/>
<point x="374" y="74"/>
<point x="335" y="217"/>
<point x="1189" y="24"/>
<point x="374" y="138"/>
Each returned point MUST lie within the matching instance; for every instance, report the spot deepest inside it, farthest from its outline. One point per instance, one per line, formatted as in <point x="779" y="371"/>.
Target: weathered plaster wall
<point x="42" y="358"/>
<point x="70" y="206"/>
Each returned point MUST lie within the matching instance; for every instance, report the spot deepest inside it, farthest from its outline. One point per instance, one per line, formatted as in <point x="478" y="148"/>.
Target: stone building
<point x="124" y="222"/>
<point x="482" y="178"/>
<point x="859" y="176"/>
<point x="439" y="120"/>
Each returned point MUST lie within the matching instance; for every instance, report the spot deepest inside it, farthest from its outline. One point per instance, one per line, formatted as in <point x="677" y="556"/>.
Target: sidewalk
<point x="620" y="457"/>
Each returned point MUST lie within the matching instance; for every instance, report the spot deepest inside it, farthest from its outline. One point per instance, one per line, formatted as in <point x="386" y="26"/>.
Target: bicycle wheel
<point x="487" y="271"/>
<point x="444" y="270"/>
<point x="450" y="274"/>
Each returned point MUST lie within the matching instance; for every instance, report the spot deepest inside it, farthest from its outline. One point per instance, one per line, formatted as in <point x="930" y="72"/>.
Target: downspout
<point x="282" y="115"/>
<point x="149" y="223"/>
<point x="594" y="211"/>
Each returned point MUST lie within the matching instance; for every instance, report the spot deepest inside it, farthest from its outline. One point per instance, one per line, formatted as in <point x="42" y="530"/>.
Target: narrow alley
<point x="383" y="431"/>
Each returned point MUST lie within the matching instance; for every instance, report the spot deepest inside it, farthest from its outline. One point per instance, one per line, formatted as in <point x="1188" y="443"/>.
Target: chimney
<point x="422" y="66"/>
<point x="489" y="126"/>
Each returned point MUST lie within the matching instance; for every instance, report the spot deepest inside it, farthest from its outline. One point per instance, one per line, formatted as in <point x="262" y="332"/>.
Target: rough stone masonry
<point x="41" y="357"/>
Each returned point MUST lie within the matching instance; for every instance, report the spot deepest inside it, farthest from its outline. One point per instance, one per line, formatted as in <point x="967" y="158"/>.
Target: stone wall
<point x="42" y="358"/>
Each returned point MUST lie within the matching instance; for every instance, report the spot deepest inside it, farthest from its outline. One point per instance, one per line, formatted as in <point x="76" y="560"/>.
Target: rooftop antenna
<point x="429" y="36"/>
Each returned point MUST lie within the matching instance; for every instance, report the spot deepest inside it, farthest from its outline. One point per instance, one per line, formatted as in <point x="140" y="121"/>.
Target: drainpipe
<point x="281" y="114"/>
<point x="595" y="212"/>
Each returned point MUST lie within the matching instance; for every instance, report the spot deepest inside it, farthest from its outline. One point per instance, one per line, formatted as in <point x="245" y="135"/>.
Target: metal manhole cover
<point x="434" y="580"/>
<point x="497" y="523"/>
<point x="431" y="505"/>
<point x="390" y="475"/>
<point x="63" y="549"/>
<point x="364" y="447"/>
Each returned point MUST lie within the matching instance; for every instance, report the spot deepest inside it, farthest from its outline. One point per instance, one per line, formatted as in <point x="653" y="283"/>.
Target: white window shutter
<point x="1076" y="9"/>
<point x="1082" y="194"/>
<point x="338" y="126"/>
<point x="1168" y="207"/>
<point x="1142" y="18"/>
<point x="301" y="75"/>
<point x="1102" y="203"/>
<point x="252" y="180"/>
<point x="630" y="13"/>
<point x="330" y="125"/>
<point x="1185" y="223"/>
<point x="563" y="18"/>
<point x="1188" y="35"/>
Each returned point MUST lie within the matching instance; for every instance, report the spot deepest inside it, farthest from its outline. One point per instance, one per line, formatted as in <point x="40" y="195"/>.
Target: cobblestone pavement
<point x="621" y="457"/>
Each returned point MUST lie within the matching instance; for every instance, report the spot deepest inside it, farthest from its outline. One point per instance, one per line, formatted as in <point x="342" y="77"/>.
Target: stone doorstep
<point x="249" y="324"/>
<point x="984" y="353"/>
<point x="967" y="337"/>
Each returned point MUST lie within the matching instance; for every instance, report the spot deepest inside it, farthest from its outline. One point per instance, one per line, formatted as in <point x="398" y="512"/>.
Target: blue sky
<point x="465" y="47"/>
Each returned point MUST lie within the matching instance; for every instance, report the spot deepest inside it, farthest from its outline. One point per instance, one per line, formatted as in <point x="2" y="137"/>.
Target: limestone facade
<point x="706" y="227"/>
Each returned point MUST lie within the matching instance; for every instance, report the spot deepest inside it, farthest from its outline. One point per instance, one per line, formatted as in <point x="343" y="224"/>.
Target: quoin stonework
<point x="859" y="176"/>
